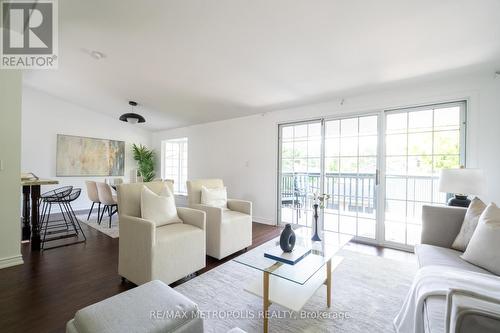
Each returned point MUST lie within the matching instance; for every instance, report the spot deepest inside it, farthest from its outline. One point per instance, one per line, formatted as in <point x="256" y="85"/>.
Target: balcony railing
<point x="354" y="192"/>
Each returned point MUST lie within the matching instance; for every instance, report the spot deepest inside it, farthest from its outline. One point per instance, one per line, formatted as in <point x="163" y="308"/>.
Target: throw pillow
<point x="484" y="245"/>
<point x="159" y="208"/>
<point x="215" y="197"/>
<point x="474" y="211"/>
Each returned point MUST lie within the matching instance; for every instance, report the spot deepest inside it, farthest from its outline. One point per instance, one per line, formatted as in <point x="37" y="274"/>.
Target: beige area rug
<point x="368" y="292"/>
<point x="112" y="232"/>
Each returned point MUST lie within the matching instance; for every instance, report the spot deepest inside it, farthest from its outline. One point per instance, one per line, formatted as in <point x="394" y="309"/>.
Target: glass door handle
<point x="377" y="177"/>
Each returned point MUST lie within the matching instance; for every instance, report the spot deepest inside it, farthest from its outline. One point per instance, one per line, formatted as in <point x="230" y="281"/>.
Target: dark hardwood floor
<point x="45" y="292"/>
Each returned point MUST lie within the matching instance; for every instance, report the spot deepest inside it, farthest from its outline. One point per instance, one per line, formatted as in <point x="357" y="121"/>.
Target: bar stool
<point x="62" y="197"/>
<point x="66" y="201"/>
<point x="50" y="198"/>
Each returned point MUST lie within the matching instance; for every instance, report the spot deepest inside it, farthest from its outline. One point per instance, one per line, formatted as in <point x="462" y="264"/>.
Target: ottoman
<point x="151" y="307"/>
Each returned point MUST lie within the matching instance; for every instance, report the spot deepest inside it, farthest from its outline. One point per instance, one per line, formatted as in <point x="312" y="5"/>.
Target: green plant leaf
<point x="145" y="161"/>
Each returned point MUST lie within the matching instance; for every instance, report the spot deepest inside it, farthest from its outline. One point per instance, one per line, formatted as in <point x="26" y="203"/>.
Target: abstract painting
<point x="82" y="156"/>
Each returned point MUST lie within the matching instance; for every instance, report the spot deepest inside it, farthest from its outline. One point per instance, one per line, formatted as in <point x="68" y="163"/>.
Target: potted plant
<point x="145" y="161"/>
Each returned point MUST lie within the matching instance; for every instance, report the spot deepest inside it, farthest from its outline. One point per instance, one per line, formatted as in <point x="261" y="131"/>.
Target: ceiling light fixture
<point x="132" y="118"/>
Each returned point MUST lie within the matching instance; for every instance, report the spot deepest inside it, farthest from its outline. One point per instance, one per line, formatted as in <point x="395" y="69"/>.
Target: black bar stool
<point x="68" y="226"/>
<point x="66" y="201"/>
<point x="49" y="199"/>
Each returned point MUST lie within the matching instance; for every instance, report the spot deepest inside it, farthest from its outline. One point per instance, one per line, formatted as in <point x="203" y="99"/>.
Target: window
<point x="174" y="163"/>
<point x="419" y="143"/>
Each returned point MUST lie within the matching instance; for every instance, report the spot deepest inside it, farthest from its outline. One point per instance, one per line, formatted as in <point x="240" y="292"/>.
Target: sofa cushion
<point x="215" y="197"/>
<point x="429" y="255"/>
<point x="179" y="232"/>
<point x="484" y="245"/>
<point x="471" y="219"/>
<point x="159" y="207"/>
<point x="194" y="188"/>
<point x="142" y="309"/>
<point x="129" y="196"/>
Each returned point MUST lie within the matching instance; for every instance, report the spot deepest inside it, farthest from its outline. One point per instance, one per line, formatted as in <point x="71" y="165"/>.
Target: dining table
<point x="31" y="209"/>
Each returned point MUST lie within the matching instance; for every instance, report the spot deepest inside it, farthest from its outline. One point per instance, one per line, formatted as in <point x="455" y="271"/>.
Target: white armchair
<point x="228" y="230"/>
<point x="167" y="253"/>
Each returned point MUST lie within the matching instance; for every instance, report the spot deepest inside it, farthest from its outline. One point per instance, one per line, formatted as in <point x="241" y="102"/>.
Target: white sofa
<point x="440" y="227"/>
<point x="151" y="307"/>
<point x="167" y="253"/>
<point x="228" y="230"/>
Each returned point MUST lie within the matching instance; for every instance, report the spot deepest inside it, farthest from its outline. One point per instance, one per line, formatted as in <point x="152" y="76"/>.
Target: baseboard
<point x="11" y="261"/>
<point x="263" y="220"/>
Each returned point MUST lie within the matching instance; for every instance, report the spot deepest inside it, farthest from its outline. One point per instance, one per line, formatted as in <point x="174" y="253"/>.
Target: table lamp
<point x="461" y="182"/>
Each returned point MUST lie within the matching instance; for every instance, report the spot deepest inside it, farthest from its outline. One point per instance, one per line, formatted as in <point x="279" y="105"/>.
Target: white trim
<point x="263" y="220"/>
<point x="11" y="261"/>
<point x="277" y="175"/>
<point x="380" y="188"/>
<point x="183" y="146"/>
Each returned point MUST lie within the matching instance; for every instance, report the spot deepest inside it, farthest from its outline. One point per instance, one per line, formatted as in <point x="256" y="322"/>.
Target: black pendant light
<point x="132" y="118"/>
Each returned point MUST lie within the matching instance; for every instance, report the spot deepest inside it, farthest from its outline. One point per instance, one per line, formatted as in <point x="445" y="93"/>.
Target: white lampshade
<point x="461" y="181"/>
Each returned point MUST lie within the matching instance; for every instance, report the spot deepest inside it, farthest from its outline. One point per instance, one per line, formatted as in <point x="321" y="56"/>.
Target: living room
<point x="233" y="166"/>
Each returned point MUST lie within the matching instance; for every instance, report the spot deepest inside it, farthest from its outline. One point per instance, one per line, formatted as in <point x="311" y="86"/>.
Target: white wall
<point x="45" y="116"/>
<point x="243" y="151"/>
<point x="10" y="168"/>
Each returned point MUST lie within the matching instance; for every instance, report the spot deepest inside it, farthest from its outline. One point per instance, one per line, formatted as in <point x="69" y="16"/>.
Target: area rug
<point x="367" y="293"/>
<point x="112" y="232"/>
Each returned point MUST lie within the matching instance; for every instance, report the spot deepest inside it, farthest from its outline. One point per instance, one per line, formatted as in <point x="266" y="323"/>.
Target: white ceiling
<point x="194" y="61"/>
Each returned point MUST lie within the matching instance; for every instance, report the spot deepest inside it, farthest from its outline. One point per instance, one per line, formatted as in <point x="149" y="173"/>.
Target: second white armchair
<point x="228" y="229"/>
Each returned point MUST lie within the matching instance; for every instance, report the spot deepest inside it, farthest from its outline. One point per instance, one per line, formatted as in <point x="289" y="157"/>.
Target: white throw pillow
<point x="159" y="208"/>
<point x="215" y="197"/>
<point x="476" y="208"/>
<point x="484" y="247"/>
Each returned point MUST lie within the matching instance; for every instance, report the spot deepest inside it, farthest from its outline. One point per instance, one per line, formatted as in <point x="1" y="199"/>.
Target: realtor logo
<point x="29" y="34"/>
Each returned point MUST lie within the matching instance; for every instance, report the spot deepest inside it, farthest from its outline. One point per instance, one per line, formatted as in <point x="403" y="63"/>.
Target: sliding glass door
<point x="350" y="175"/>
<point x="337" y="157"/>
<point x="419" y="142"/>
<point x="300" y="170"/>
<point x="379" y="169"/>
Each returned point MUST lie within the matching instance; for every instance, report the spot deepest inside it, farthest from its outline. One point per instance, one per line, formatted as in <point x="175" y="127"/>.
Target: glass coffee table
<point x="291" y="286"/>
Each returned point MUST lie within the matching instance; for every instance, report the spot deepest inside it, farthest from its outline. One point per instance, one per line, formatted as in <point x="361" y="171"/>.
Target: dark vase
<point x="315" y="237"/>
<point x="287" y="239"/>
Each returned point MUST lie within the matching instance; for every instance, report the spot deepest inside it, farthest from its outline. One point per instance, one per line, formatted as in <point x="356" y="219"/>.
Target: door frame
<point x="463" y="103"/>
<point x="323" y="120"/>
<point x="280" y="126"/>
<point x="380" y="188"/>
